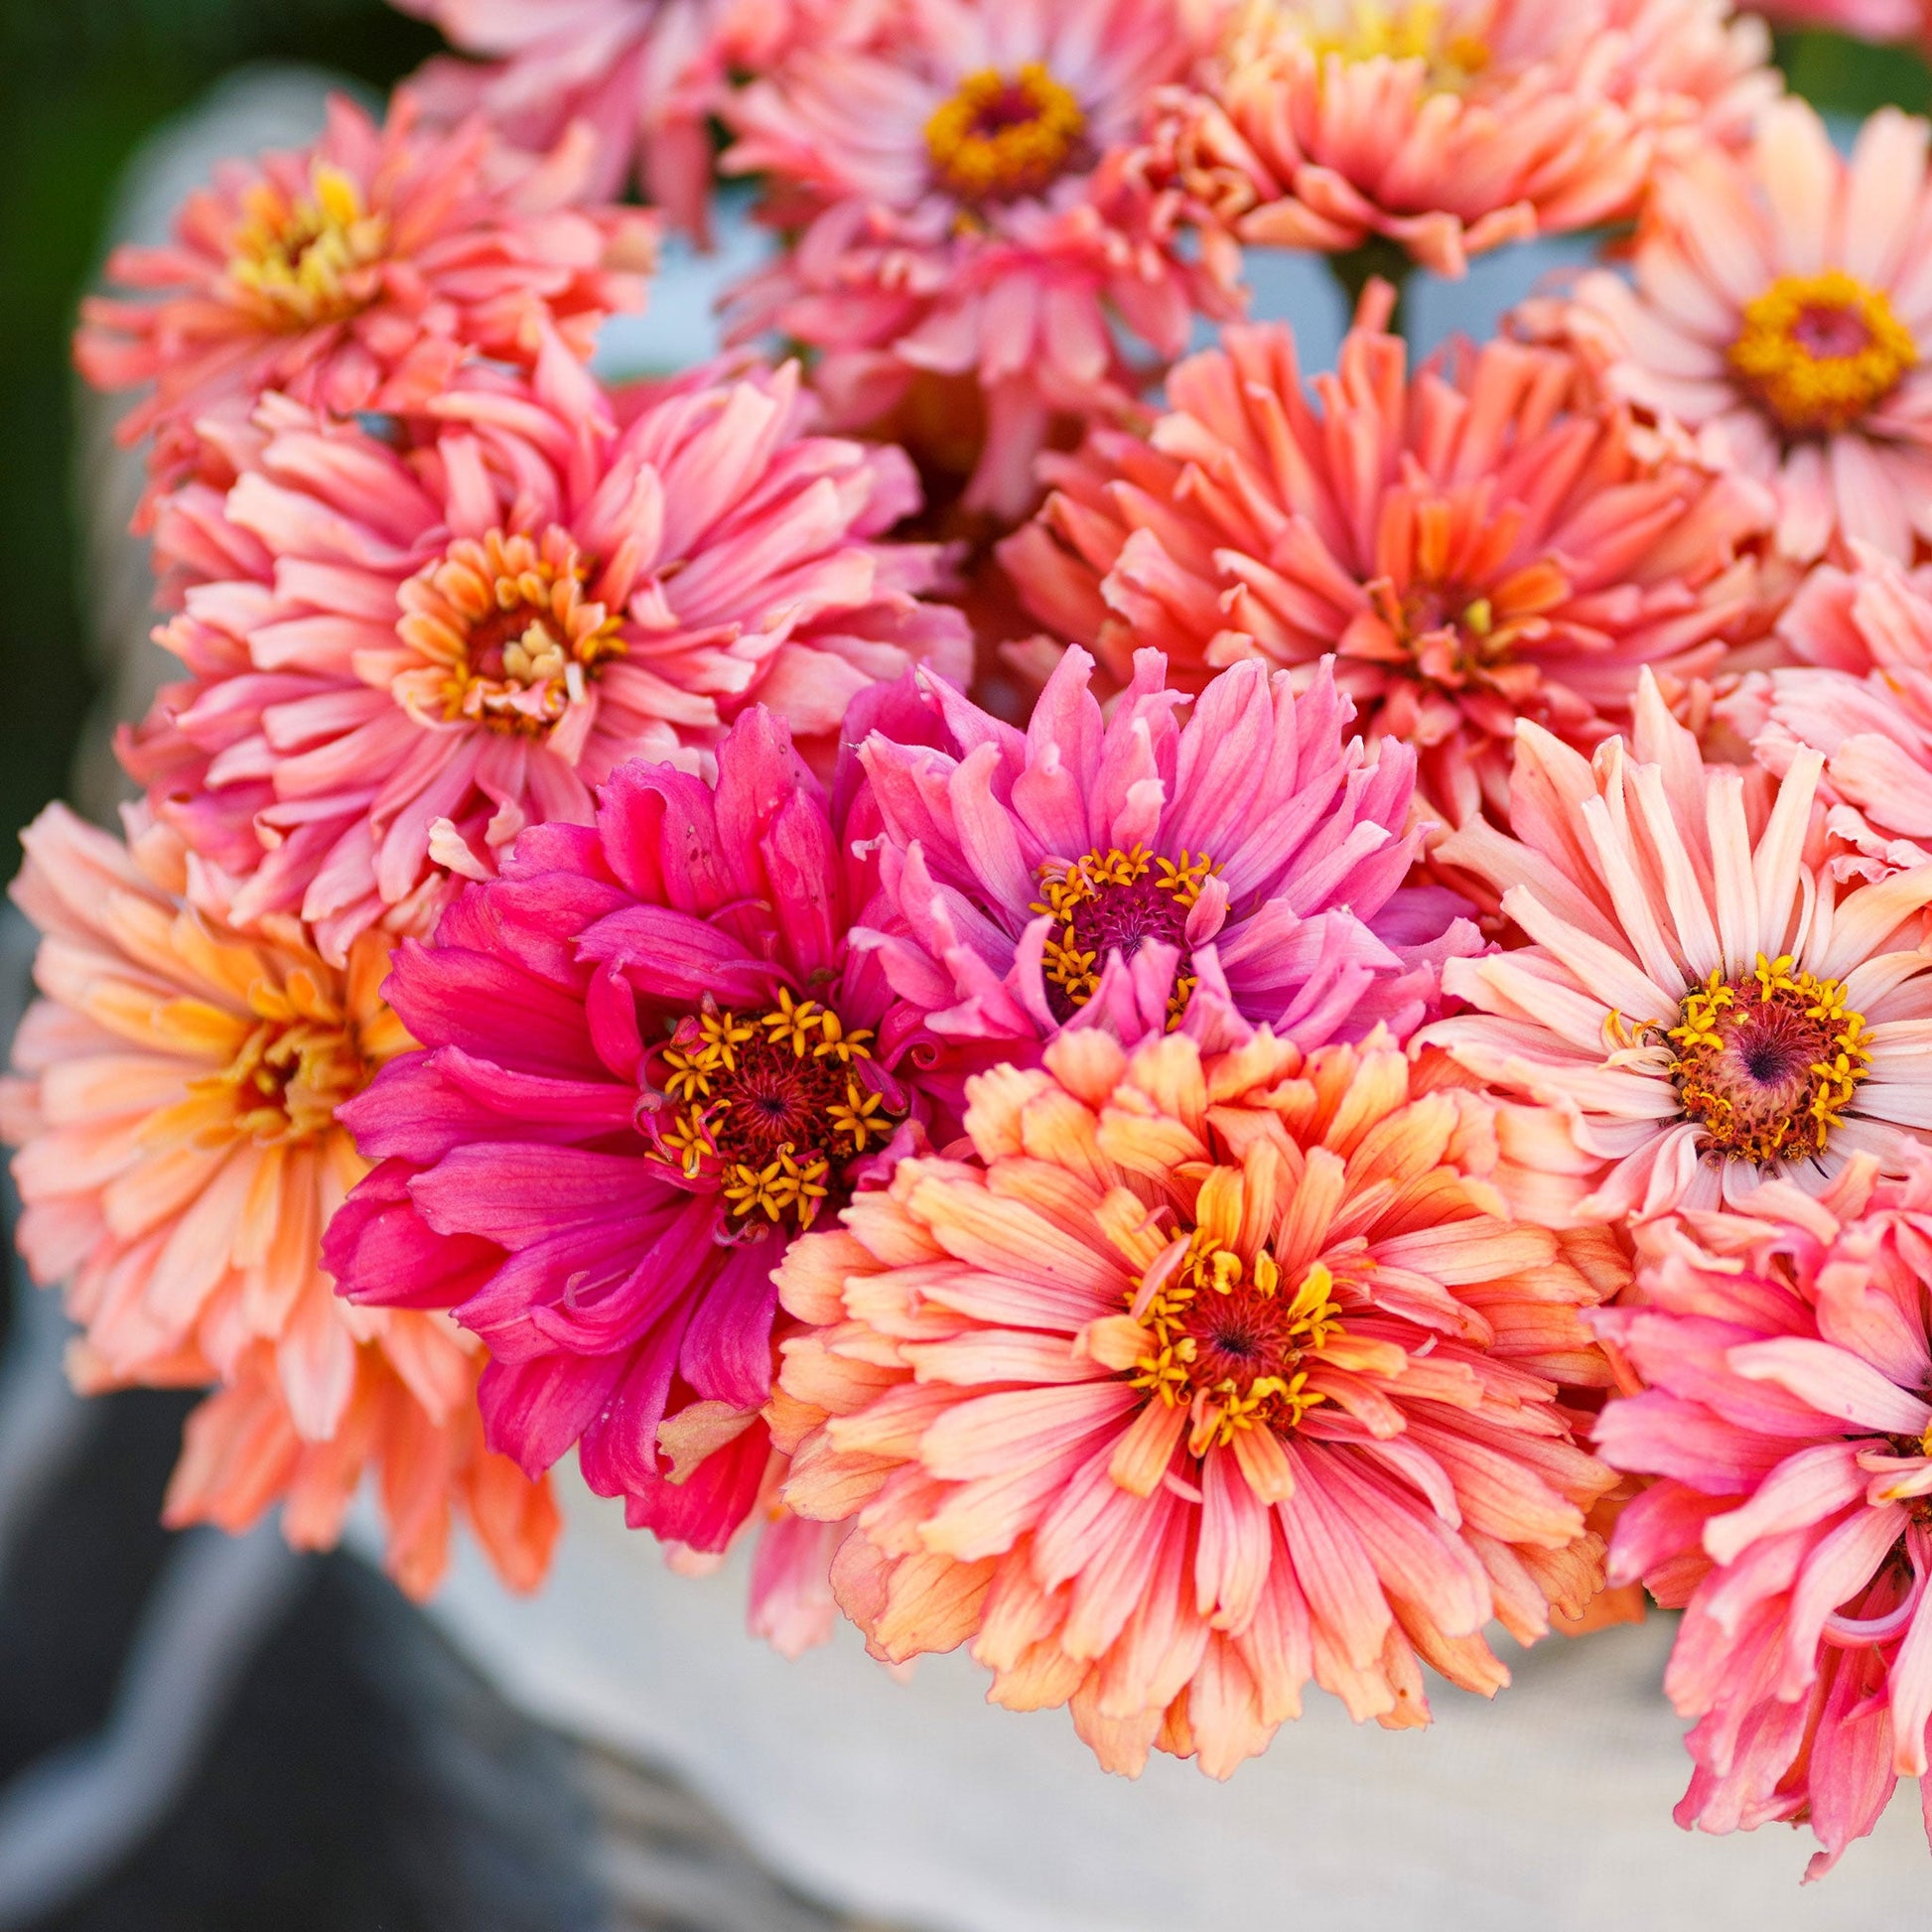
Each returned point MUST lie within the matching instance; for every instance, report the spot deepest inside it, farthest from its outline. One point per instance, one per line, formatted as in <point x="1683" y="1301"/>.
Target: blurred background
<point x="319" y="1757"/>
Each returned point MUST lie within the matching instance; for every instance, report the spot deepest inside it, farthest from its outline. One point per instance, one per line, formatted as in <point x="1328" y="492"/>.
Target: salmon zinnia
<point x="1202" y="1375"/>
<point x="175" y="1104"/>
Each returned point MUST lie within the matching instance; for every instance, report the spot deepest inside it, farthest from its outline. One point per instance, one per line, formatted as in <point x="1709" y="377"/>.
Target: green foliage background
<point x="82" y="83"/>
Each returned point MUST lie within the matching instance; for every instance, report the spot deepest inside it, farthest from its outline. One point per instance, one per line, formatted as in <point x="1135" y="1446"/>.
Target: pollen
<point x="1230" y="1346"/>
<point x="1767" y="1062"/>
<point x="769" y="1108"/>
<point x="1115" y="902"/>
<point x="309" y="259"/>
<point x="297" y="1064"/>
<point x="504" y="633"/>
<point x="1821" y="351"/>
<point x="1453" y="55"/>
<point x="1002" y="136"/>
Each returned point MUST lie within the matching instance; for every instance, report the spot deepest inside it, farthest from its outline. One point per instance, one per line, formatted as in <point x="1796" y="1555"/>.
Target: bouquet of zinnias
<point x="1194" y="1025"/>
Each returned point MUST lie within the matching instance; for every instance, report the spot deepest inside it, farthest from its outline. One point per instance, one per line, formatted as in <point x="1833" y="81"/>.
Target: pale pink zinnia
<point x="1202" y="1375"/>
<point x="1141" y="873"/>
<point x="1450" y="128"/>
<point x="175" y="1102"/>
<point x="649" y="1059"/>
<point x="401" y="651"/>
<point x="360" y="272"/>
<point x="1787" y="1359"/>
<point x="964" y="211"/>
<point x="1781" y="310"/>
<point x="1698" y="1001"/>
<point x="1481" y="541"/>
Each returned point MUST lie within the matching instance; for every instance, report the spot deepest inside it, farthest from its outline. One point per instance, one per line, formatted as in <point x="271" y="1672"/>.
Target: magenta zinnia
<point x="649" y="1062"/>
<point x="400" y="657"/>
<point x="1787" y="1349"/>
<point x="1143" y="872"/>
<point x="1198" y="1376"/>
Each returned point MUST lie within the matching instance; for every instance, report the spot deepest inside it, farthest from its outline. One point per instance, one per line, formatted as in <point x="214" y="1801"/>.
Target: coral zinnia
<point x="1698" y="1004"/>
<point x="1141" y="873"/>
<point x="1450" y="128"/>
<point x="968" y="211"/>
<point x="358" y="274"/>
<point x="400" y="657"/>
<point x="1782" y="310"/>
<point x="1481" y="543"/>
<point x="174" y="1103"/>
<point x="1209" y="1373"/>
<point x="1787" y="1351"/>
<point x="649" y="1059"/>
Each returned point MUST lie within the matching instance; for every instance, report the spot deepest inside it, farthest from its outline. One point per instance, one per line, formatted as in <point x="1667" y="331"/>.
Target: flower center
<point x="303" y="261"/>
<point x="770" y="1106"/>
<point x="1820" y="351"/>
<point x="1230" y="1346"/>
<point x="1768" y="1061"/>
<point x="1448" y="42"/>
<point x="1115" y="902"/>
<point x="509" y="638"/>
<point x="297" y="1065"/>
<point x="1001" y="135"/>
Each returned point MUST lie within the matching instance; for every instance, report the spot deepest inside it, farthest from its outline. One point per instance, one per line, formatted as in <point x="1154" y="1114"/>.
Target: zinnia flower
<point x="175" y="1105"/>
<point x="1698" y="1001"/>
<point x="1142" y="874"/>
<point x="1785" y="1348"/>
<point x="359" y="273"/>
<point x="1452" y="126"/>
<point x="1207" y="1374"/>
<point x="645" y="76"/>
<point x="1874" y="727"/>
<point x="966" y="209"/>
<point x="1481" y="543"/>
<point x="648" y="1061"/>
<point x="1783" y="311"/>
<point x="399" y="656"/>
<point x="1868" y="20"/>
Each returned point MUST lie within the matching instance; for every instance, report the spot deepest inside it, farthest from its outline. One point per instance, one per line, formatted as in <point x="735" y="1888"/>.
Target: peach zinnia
<point x="1482" y="542"/>
<point x="1783" y="311"/>
<point x="1698" y="1002"/>
<point x="358" y="274"/>
<point x="1205" y="1374"/>
<point x="174" y="1103"/>
<point x="399" y="656"/>
<point x="1448" y="129"/>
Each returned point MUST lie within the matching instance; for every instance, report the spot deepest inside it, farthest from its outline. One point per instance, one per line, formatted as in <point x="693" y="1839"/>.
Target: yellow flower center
<point x="1767" y="1062"/>
<point x="1231" y="1345"/>
<point x="1447" y="39"/>
<point x="770" y="1106"/>
<point x="1115" y="902"/>
<point x="1820" y="351"/>
<point x="305" y="262"/>
<point x="301" y="1060"/>
<point x="1001" y="136"/>
<point x="507" y="637"/>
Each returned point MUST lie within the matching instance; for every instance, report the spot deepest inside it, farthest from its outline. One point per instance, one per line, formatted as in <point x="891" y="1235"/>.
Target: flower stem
<point x="1355" y="268"/>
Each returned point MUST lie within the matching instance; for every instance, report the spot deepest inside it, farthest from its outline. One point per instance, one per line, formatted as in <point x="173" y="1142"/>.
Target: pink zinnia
<point x="175" y="1102"/>
<point x="1783" y="311"/>
<point x="649" y="1059"/>
<point x="359" y="273"/>
<point x="1140" y="872"/>
<point x="1869" y="20"/>
<point x="1862" y="698"/>
<point x="1202" y="1375"/>
<point x="1786" y="1352"/>
<point x="1477" y="543"/>
<point x="1698" y="1001"/>
<point x="965" y="210"/>
<point x="402" y="654"/>
<point x="1450" y="128"/>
